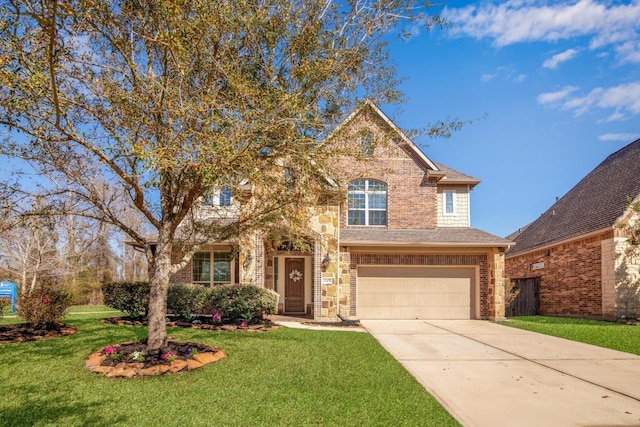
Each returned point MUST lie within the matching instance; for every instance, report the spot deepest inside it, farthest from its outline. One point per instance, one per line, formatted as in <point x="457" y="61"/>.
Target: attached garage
<point x="416" y="292"/>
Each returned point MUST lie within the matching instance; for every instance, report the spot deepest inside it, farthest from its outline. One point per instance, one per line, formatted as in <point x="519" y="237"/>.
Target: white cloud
<point x="552" y="97"/>
<point x="624" y="99"/>
<point x="619" y="137"/>
<point x="517" y="21"/>
<point x="488" y="77"/>
<point x="505" y="73"/>
<point x="559" y="58"/>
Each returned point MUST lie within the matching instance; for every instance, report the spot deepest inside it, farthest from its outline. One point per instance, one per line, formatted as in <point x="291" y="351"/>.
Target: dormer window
<point x="366" y="143"/>
<point x="449" y="202"/>
<point x="367" y="203"/>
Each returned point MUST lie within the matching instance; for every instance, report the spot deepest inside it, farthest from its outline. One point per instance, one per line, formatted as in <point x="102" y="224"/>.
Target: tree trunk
<point x="158" y="296"/>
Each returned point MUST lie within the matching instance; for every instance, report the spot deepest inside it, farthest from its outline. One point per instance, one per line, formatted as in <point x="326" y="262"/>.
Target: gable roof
<point x="595" y="203"/>
<point x="452" y="176"/>
<point x="412" y="146"/>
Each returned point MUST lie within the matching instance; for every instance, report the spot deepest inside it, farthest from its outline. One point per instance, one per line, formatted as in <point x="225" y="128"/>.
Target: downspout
<point x="338" y="264"/>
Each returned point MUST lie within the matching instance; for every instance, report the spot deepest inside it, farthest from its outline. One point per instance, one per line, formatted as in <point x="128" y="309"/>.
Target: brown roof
<point x="595" y="203"/>
<point x="452" y="176"/>
<point x="434" y="237"/>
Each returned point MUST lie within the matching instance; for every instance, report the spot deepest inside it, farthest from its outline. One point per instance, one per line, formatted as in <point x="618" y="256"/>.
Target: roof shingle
<point x="433" y="237"/>
<point x="595" y="203"/>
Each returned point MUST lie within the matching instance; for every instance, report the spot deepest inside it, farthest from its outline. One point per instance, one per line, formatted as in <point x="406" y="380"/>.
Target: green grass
<point x="75" y="312"/>
<point x="604" y="334"/>
<point x="283" y="377"/>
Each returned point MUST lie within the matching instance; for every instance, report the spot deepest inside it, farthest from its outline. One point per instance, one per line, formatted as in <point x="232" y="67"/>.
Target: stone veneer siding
<point x="426" y="260"/>
<point x="571" y="280"/>
<point x="620" y="278"/>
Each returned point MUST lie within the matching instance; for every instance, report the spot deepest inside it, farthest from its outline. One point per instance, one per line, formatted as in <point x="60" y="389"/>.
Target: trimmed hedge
<point x="185" y="300"/>
<point x="223" y="301"/>
<point x="129" y="297"/>
<point x="237" y="301"/>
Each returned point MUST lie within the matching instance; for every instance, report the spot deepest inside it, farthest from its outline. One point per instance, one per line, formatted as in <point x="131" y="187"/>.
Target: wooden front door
<point x="294" y="285"/>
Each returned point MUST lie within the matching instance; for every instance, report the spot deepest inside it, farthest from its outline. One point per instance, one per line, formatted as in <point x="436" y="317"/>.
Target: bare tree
<point x="29" y="253"/>
<point x="144" y="106"/>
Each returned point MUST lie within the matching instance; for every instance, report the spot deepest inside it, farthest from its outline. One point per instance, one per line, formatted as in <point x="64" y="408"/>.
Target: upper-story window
<point x="219" y="198"/>
<point x="367" y="203"/>
<point x="225" y="196"/>
<point x="449" y="202"/>
<point x="366" y="143"/>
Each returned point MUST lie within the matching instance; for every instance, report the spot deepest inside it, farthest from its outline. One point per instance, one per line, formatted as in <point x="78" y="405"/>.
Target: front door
<point x="294" y="285"/>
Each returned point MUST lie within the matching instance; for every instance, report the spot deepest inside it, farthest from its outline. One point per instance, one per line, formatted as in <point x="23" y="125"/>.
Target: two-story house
<point x="400" y="246"/>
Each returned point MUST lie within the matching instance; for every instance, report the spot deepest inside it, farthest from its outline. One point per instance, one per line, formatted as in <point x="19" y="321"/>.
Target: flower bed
<point x="128" y="360"/>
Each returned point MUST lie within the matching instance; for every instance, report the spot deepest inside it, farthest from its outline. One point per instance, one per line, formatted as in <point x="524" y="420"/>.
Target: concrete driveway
<point x="487" y="374"/>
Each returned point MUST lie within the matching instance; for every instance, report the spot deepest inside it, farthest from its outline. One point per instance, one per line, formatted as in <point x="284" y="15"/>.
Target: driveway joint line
<point x="540" y="363"/>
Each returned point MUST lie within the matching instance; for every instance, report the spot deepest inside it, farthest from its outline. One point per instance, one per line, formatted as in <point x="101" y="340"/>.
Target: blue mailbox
<point x="9" y="290"/>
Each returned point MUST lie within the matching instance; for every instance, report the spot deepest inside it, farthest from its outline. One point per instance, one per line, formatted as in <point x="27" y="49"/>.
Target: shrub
<point x="185" y="300"/>
<point x="236" y="301"/>
<point x="130" y="297"/>
<point x="44" y="307"/>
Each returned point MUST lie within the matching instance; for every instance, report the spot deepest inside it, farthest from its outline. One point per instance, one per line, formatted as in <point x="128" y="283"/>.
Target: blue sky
<point x="556" y="86"/>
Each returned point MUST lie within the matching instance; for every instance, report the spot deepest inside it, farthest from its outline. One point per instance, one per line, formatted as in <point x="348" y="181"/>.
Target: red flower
<point x="45" y="300"/>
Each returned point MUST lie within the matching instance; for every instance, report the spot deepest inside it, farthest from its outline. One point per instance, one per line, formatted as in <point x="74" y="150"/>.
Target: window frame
<point x="224" y="197"/>
<point x="211" y="259"/>
<point x="445" y="195"/>
<point x="366" y="143"/>
<point x="368" y="197"/>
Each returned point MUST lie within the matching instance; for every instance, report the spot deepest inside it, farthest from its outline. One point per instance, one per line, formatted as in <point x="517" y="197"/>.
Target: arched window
<point x="367" y="202"/>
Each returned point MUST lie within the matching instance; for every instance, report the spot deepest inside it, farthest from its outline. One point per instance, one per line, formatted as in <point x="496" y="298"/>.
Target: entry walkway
<point x="487" y="374"/>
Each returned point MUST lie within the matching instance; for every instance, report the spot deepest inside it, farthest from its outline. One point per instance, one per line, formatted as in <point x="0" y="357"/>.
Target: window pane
<point x="357" y="185"/>
<point x="225" y="196"/>
<point x="201" y="263"/>
<point x="377" y="186"/>
<point x="356" y="201"/>
<point x="377" y="217"/>
<point x="366" y="144"/>
<point x="222" y="267"/>
<point x="356" y="218"/>
<point x="377" y="201"/>
<point x="448" y="202"/>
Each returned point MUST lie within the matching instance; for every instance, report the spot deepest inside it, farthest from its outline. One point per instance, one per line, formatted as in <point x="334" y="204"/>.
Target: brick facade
<point x="571" y="279"/>
<point x="412" y="204"/>
<point x="409" y="188"/>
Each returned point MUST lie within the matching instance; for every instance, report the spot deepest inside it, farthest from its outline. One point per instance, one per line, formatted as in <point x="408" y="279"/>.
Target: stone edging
<point x="130" y="370"/>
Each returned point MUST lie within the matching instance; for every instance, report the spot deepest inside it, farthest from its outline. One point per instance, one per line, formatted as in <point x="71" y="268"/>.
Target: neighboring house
<point x="576" y="254"/>
<point x="399" y="247"/>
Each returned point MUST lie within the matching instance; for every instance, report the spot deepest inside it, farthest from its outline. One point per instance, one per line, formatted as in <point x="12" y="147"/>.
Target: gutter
<point x="561" y="242"/>
<point x="432" y="244"/>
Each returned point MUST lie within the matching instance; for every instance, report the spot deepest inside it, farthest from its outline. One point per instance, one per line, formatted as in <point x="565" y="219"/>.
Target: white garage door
<point x="408" y="292"/>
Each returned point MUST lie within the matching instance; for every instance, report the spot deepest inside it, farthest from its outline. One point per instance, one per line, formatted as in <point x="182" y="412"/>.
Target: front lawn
<point x="283" y="377"/>
<point x="604" y="334"/>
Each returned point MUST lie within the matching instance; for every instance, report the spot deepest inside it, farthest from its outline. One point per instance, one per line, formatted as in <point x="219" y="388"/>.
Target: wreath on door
<point x="295" y="275"/>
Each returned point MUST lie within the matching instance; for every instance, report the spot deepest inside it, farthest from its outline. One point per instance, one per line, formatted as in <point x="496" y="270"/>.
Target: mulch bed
<point x="119" y="361"/>
<point x="21" y="332"/>
<point x="264" y="326"/>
